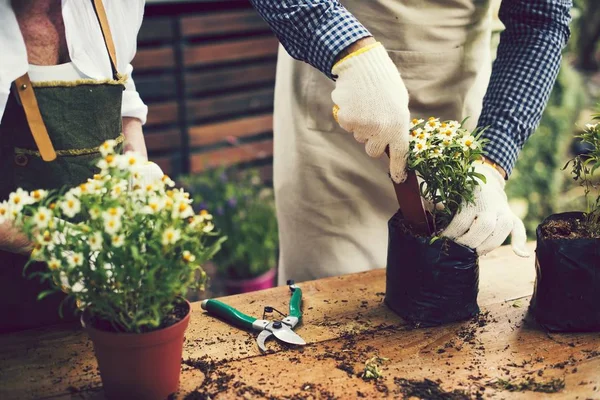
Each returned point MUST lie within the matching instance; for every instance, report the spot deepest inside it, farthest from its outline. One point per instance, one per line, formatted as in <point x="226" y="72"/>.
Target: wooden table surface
<point x="345" y="323"/>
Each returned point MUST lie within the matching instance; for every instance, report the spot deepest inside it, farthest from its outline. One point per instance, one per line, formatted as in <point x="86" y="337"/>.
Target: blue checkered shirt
<point x="527" y="63"/>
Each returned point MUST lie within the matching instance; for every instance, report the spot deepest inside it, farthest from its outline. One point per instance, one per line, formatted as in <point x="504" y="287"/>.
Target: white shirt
<point x="85" y="43"/>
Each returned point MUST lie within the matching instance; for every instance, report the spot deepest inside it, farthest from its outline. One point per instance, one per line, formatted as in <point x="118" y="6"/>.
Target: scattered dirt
<point x="530" y="385"/>
<point x="565" y="229"/>
<point x="428" y="389"/>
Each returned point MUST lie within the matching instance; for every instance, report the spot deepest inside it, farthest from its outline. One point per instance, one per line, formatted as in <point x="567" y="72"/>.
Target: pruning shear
<point x="281" y="329"/>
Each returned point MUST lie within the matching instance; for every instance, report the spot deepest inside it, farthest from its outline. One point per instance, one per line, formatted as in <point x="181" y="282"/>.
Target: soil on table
<point x="177" y="314"/>
<point x="565" y="229"/>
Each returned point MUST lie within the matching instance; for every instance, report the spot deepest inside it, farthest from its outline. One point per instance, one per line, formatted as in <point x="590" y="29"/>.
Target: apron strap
<point x="36" y="124"/>
<point x="108" y="39"/>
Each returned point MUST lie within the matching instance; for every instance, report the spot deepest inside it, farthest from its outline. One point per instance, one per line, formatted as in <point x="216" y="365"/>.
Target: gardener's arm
<point x="523" y="75"/>
<point x="14" y="241"/>
<point x="370" y="97"/>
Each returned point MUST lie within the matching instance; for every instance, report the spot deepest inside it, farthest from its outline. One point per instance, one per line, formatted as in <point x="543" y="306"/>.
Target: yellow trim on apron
<point x="122" y="79"/>
<point x="69" y="152"/>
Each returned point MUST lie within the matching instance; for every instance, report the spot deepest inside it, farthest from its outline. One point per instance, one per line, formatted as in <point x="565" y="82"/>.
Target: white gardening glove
<point x="371" y="102"/>
<point x="145" y="174"/>
<point x="486" y="223"/>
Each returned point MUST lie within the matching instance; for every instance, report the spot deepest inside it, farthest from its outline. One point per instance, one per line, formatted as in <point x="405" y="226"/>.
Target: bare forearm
<point x="11" y="239"/>
<point x="134" y="136"/>
<point x="355" y="46"/>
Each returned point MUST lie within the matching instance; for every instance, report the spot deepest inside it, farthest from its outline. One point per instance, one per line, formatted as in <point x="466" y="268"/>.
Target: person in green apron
<point x="54" y="121"/>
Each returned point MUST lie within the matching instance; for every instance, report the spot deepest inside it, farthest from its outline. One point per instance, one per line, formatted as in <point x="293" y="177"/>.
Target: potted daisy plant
<point x="126" y="250"/>
<point x="433" y="280"/>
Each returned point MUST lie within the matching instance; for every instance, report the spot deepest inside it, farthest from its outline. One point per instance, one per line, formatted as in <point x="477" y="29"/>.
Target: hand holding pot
<point x="372" y="103"/>
<point x="488" y="221"/>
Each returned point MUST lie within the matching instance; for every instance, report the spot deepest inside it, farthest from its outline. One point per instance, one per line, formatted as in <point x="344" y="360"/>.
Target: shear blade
<point x="289" y="336"/>
<point x="264" y="335"/>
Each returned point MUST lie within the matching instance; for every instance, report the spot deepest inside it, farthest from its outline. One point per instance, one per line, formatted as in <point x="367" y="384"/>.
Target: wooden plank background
<point x="207" y="72"/>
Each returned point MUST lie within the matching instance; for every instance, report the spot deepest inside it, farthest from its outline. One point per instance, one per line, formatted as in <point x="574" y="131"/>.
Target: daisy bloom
<point x="112" y="225"/>
<point x="182" y="210"/>
<point x="18" y="199"/>
<point x="96" y="241"/>
<point x="205" y="215"/>
<point x="130" y="160"/>
<point x="447" y="133"/>
<point x="113" y="212"/>
<point x="208" y="227"/>
<point x="436" y="152"/>
<point x="155" y="204"/>
<point x="70" y="206"/>
<point x="170" y="236"/>
<point x="188" y="257"/>
<point x="42" y="217"/>
<point x="591" y="127"/>
<point x="53" y="264"/>
<point x="107" y="147"/>
<point x="415" y="122"/>
<point x="4" y="212"/>
<point x="118" y="240"/>
<point x="420" y="145"/>
<point x="75" y="259"/>
<point x="38" y="195"/>
<point x="94" y="213"/>
<point x="468" y="142"/>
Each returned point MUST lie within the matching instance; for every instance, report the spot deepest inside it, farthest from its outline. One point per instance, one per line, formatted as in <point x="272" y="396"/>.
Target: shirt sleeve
<point x="525" y="70"/>
<point x="314" y="31"/>
<point x="132" y="105"/>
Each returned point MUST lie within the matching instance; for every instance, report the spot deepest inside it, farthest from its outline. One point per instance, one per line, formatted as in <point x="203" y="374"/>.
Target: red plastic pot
<point x="139" y="366"/>
<point x="261" y="282"/>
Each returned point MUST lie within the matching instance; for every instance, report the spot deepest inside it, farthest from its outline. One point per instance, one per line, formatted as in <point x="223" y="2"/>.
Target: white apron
<point x="333" y="200"/>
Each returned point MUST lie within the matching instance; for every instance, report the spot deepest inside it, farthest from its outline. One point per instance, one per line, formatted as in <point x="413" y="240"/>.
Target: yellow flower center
<point x="2" y="211"/>
<point x="110" y="158"/>
<point x="70" y="203"/>
<point x="182" y="207"/>
<point x="36" y="195"/>
<point x="17" y="200"/>
<point x="468" y="142"/>
<point x="444" y="124"/>
<point x="113" y="211"/>
<point x="42" y="217"/>
<point x="170" y="235"/>
<point x="432" y="123"/>
<point x="431" y="118"/>
<point x="204" y="213"/>
<point x="97" y="177"/>
<point x="132" y="161"/>
<point x="414" y="121"/>
<point x="154" y="206"/>
<point x="419" y="146"/>
<point x="83" y="187"/>
<point x="111" y="224"/>
<point x="448" y="133"/>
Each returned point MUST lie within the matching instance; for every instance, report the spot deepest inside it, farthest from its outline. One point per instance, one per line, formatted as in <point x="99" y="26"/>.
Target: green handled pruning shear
<point x="281" y="329"/>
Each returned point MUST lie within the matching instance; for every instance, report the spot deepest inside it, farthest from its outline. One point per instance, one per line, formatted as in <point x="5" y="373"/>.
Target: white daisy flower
<point x="446" y="133"/>
<point x="435" y="152"/>
<point x="38" y="195"/>
<point x="94" y="213"/>
<point x="70" y="206"/>
<point x="96" y="241"/>
<point x="155" y="205"/>
<point x="42" y="217"/>
<point x="130" y="160"/>
<point x="416" y="122"/>
<point x="113" y="212"/>
<point x="5" y="214"/>
<point x="591" y="127"/>
<point x="44" y="239"/>
<point x="432" y="124"/>
<point x="420" y="145"/>
<point x="468" y="142"/>
<point x="208" y="227"/>
<point x="170" y="236"/>
<point x="18" y="199"/>
<point x="75" y="259"/>
<point x="118" y="190"/>
<point x="188" y="257"/>
<point x="112" y="225"/>
<point x="182" y="209"/>
<point x="53" y="264"/>
<point x="107" y="147"/>
<point x="118" y="240"/>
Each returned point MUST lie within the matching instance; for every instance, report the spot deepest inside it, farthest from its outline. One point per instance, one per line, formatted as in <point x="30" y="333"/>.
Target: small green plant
<point x="583" y="168"/>
<point x="124" y="249"/>
<point x="372" y="370"/>
<point x="244" y="210"/>
<point x="442" y="154"/>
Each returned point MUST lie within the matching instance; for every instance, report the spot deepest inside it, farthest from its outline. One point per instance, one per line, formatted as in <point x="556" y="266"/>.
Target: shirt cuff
<point x="501" y="149"/>
<point x="133" y="106"/>
<point x="340" y="30"/>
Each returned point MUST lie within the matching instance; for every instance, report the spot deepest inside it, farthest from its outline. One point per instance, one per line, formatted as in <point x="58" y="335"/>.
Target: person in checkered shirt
<point x="382" y="63"/>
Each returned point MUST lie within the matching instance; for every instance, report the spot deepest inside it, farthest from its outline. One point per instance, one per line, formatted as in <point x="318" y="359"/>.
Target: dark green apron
<point x="79" y="117"/>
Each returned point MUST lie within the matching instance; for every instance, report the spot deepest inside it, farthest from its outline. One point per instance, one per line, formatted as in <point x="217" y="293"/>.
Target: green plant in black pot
<point x="567" y="288"/>
<point x="246" y="209"/>
<point x="433" y="280"/>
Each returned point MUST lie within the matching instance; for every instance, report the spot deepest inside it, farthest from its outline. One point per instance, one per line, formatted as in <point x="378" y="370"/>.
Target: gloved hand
<point x="145" y="174"/>
<point x="486" y="223"/>
<point x="372" y="103"/>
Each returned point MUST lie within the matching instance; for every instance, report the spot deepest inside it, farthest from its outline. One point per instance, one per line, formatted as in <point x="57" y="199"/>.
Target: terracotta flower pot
<point x="428" y="283"/>
<point x="139" y="366"/>
<point x="567" y="286"/>
<point x="261" y="282"/>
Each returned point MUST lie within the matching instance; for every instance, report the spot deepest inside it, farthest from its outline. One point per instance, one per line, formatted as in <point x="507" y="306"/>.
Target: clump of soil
<point x="565" y="229"/>
<point x="428" y="389"/>
<point x="177" y="314"/>
<point x="530" y="385"/>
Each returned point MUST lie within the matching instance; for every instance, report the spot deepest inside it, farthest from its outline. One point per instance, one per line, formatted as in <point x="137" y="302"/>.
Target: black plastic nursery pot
<point x="567" y="287"/>
<point x="430" y="284"/>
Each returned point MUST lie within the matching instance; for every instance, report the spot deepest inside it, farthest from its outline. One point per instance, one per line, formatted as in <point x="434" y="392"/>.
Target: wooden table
<point x="345" y="324"/>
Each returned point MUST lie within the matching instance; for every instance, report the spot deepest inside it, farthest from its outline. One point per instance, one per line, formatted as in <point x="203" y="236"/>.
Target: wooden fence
<point x="207" y="71"/>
